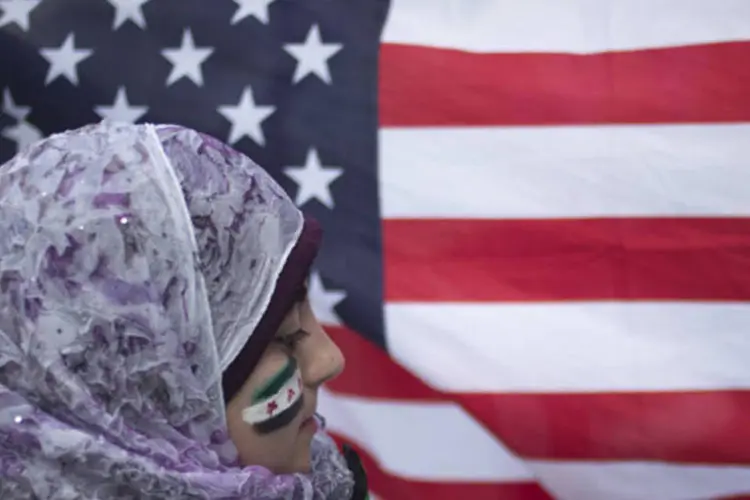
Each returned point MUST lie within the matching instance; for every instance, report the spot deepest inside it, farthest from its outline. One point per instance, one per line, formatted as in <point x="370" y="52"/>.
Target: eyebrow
<point x="273" y="384"/>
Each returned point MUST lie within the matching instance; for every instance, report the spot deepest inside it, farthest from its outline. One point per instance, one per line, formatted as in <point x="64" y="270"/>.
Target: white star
<point x="324" y="301"/>
<point x="23" y="133"/>
<point x="64" y="59"/>
<point x="121" y="110"/>
<point x="246" y="118"/>
<point x="255" y="8"/>
<point x="17" y="11"/>
<point x="314" y="180"/>
<point x="128" y="10"/>
<point x="187" y="60"/>
<point x="312" y="56"/>
<point x="11" y="109"/>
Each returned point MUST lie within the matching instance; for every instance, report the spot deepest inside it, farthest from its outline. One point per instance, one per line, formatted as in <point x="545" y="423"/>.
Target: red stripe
<point x="422" y="86"/>
<point x="708" y="427"/>
<point x="691" y="427"/>
<point x="391" y="487"/>
<point x="537" y="260"/>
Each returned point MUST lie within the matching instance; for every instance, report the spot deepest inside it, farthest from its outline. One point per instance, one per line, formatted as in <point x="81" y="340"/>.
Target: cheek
<point x="278" y="451"/>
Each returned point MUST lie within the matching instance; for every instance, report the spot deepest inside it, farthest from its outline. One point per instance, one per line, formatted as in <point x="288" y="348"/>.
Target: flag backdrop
<point x="537" y="256"/>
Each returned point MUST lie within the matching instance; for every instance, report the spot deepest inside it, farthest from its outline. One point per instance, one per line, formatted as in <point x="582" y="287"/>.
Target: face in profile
<point x="271" y="418"/>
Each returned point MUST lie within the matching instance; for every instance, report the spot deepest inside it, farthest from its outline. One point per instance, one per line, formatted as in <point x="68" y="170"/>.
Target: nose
<point x="323" y="360"/>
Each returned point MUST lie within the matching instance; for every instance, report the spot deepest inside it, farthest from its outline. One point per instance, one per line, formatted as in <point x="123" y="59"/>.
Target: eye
<point x="290" y="340"/>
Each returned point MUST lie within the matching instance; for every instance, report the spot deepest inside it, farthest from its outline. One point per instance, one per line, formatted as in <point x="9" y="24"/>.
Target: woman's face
<point x="285" y="447"/>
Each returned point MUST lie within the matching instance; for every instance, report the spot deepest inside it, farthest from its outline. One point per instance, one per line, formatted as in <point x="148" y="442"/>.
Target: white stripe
<point x="640" y="480"/>
<point x="259" y="412"/>
<point x="549" y="172"/>
<point x="429" y="441"/>
<point x="573" y="26"/>
<point x="577" y="346"/>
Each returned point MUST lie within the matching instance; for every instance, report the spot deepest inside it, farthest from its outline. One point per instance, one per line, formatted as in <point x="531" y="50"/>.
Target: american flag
<point x="537" y="255"/>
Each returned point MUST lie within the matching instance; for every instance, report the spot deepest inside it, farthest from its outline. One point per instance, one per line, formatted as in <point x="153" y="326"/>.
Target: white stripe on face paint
<point x="277" y="404"/>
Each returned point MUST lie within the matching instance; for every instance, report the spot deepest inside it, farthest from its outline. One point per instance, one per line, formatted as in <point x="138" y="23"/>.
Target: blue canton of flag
<point x="292" y="84"/>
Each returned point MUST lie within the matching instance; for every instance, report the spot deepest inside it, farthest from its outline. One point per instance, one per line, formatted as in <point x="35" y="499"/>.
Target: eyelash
<point x="290" y="340"/>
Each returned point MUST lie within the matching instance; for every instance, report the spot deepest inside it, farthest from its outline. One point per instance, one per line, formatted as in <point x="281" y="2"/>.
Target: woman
<point x="155" y="336"/>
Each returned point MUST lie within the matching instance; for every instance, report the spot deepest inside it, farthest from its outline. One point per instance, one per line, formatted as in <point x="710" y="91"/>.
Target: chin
<point x="303" y="464"/>
<point x="302" y="469"/>
<point x="299" y="461"/>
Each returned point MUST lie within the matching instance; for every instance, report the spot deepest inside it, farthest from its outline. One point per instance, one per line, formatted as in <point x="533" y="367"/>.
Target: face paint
<point x="278" y="401"/>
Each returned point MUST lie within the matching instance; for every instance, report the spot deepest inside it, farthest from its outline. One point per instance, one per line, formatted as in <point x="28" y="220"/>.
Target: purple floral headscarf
<point x="131" y="275"/>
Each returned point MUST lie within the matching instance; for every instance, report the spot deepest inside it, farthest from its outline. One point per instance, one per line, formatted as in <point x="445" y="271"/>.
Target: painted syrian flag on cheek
<point x="280" y="402"/>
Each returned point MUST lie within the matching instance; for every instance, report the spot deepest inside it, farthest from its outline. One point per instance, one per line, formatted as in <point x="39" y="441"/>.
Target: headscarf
<point x="136" y="264"/>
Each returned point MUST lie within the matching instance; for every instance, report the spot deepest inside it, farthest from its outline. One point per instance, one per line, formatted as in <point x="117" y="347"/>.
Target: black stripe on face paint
<point x="282" y="419"/>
